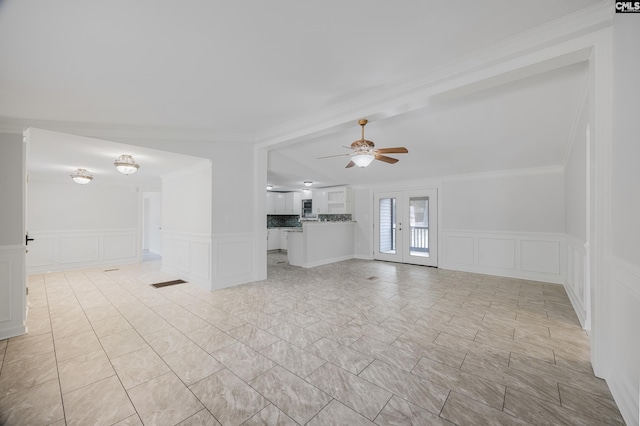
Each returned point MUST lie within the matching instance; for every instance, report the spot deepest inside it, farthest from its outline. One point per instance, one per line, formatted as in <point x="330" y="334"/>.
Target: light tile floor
<point x="356" y="342"/>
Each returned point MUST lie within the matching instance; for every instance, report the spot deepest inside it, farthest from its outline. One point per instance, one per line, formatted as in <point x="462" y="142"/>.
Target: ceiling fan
<point x="365" y="152"/>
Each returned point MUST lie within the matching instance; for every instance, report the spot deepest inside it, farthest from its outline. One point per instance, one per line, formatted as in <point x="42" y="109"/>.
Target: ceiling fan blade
<point x="386" y="159"/>
<point x="351" y="164"/>
<point x="331" y="156"/>
<point x="397" y="150"/>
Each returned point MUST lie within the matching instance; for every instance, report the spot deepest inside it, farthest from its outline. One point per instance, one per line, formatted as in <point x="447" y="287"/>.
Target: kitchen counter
<point x="320" y="243"/>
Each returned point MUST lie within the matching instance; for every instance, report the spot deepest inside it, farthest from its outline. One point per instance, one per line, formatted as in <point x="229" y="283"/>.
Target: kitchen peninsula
<point x="319" y="243"/>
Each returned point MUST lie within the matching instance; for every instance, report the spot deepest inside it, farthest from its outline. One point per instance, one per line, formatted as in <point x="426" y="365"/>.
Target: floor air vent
<point x="168" y="283"/>
<point x="372" y="278"/>
<point x="111" y="270"/>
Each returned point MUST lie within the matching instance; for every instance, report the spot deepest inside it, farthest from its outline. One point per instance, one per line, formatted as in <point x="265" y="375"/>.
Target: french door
<point x="405" y="227"/>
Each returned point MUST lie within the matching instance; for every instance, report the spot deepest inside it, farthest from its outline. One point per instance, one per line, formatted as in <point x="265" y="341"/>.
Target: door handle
<point x="27" y="239"/>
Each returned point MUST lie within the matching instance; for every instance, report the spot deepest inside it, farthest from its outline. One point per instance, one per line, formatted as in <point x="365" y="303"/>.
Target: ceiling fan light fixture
<point x="269" y="187"/>
<point x="363" y="159"/>
<point x="126" y="164"/>
<point x="81" y="176"/>
<point x="308" y="183"/>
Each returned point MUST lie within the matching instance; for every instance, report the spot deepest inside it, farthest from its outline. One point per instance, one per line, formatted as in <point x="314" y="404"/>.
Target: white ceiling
<point x="53" y="156"/>
<point x="245" y="69"/>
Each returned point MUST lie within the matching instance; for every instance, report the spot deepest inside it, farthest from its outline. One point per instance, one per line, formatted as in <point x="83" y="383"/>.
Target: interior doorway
<point x="405" y="227"/>
<point x="151" y="226"/>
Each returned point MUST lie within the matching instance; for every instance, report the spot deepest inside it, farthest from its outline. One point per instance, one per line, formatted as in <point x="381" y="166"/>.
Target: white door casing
<point x="405" y="226"/>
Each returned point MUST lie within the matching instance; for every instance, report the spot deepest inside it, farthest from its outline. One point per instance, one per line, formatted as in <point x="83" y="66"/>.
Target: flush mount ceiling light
<point x="126" y="164"/>
<point x="308" y="183"/>
<point x="81" y="176"/>
<point x="269" y="187"/>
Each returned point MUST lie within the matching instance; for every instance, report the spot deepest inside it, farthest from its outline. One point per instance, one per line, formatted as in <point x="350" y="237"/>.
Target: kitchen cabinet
<point x="273" y="239"/>
<point x="319" y="205"/>
<point x="279" y="203"/>
<point x="335" y="200"/>
<point x="271" y="203"/>
<point x="283" y="239"/>
<point x="283" y="203"/>
<point x="292" y="203"/>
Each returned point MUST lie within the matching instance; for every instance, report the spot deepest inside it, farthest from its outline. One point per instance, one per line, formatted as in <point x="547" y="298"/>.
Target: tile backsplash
<point x="282" y="221"/>
<point x="334" y="217"/>
<point x="288" y="221"/>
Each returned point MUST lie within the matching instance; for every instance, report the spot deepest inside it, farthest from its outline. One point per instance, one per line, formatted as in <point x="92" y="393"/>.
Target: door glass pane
<point x="387" y="225"/>
<point x="419" y="226"/>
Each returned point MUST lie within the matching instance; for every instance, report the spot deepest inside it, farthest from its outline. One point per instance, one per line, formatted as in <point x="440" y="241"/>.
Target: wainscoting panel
<point x="624" y="379"/>
<point x="460" y="250"/>
<point x="12" y="292"/>
<point x="575" y="280"/>
<point x="201" y="260"/>
<point x="78" y="249"/>
<point x="5" y="290"/>
<point x="41" y="252"/>
<point x="187" y="256"/>
<point x="232" y="259"/>
<point x="118" y="246"/>
<point x="497" y="252"/>
<point x="62" y="250"/>
<point x="540" y="256"/>
<point x="182" y="255"/>
<point x="530" y="256"/>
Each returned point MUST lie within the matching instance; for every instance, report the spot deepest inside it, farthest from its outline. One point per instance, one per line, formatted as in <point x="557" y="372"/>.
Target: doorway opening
<point x="151" y="226"/>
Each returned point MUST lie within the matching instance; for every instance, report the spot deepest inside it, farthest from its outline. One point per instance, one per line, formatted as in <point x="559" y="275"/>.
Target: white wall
<point x="508" y="224"/>
<point x="12" y="251"/>
<point x="11" y="147"/>
<point x="77" y="226"/>
<point x="622" y="314"/>
<point x="186" y="203"/>
<point x="363" y="215"/>
<point x="186" y="224"/>
<point x="509" y="202"/>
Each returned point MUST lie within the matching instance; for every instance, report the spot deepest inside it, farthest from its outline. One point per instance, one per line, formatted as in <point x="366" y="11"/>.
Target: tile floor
<point x="352" y="343"/>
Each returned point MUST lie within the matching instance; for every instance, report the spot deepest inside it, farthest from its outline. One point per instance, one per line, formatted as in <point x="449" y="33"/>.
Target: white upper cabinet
<point x="292" y="203"/>
<point x="271" y="203"/>
<point x="319" y="205"/>
<point x="280" y="203"/>
<point x="283" y="203"/>
<point x="335" y="200"/>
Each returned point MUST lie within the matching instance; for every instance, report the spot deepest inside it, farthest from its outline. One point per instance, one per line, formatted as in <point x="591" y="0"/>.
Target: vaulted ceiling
<point x="250" y="71"/>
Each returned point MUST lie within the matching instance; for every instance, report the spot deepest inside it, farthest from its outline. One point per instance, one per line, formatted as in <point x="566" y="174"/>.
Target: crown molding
<point x="419" y="91"/>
